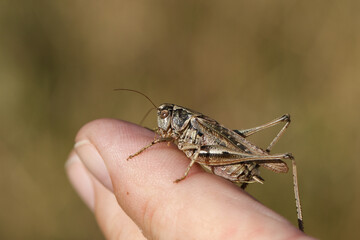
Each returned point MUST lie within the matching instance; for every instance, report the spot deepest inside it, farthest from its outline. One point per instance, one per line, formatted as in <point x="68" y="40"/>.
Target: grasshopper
<point x="219" y="150"/>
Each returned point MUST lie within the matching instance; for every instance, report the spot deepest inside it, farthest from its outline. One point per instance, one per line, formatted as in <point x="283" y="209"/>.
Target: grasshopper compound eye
<point x="164" y="114"/>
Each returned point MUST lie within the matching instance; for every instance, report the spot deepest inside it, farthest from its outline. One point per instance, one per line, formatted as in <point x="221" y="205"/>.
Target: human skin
<point x="138" y="199"/>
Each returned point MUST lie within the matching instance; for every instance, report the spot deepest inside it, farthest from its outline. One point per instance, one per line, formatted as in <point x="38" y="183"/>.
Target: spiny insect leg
<point x="186" y="172"/>
<point x="297" y="195"/>
<point x="251" y="131"/>
<point x="193" y="160"/>
<point x="247" y="132"/>
<point x="146" y="147"/>
<point x="281" y="132"/>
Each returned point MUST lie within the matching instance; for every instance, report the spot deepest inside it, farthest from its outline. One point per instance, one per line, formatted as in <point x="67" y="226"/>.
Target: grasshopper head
<point x="173" y="116"/>
<point x="164" y="115"/>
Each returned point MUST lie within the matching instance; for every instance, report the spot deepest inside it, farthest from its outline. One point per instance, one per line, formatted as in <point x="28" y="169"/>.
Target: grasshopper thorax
<point x="174" y="117"/>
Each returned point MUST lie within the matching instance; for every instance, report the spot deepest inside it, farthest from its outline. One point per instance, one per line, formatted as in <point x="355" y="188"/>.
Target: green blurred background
<point x="241" y="62"/>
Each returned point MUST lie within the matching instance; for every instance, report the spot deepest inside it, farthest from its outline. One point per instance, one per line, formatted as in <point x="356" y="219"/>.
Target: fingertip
<point x="80" y="180"/>
<point x="93" y="161"/>
<point x="113" y="221"/>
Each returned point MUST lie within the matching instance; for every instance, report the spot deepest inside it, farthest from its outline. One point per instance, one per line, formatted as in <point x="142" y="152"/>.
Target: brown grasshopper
<point x="221" y="151"/>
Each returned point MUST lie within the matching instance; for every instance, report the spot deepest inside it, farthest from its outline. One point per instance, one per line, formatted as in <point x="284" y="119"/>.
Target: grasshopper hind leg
<point x="248" y="132"/>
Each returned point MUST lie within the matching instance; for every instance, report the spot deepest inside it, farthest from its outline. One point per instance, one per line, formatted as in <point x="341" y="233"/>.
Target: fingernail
<point x="80" y="180"/>
<point x="93" y="161"/>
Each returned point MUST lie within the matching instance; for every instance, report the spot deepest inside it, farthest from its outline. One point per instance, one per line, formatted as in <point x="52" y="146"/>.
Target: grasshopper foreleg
<point x="151" y="144"/>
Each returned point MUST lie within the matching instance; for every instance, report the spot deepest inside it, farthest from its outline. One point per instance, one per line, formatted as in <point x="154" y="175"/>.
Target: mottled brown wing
<point x="233" y="139"/>
<point x="236" y="150"/>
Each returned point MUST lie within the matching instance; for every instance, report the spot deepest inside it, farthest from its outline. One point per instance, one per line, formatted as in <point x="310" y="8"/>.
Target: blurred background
<point x="242" y="63"/>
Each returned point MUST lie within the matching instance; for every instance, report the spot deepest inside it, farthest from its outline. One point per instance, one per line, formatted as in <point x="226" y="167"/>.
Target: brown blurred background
<point x="241" y="62"/>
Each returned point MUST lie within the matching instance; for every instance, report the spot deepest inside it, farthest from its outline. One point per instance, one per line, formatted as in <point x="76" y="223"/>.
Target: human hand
<point x="137" y="199"/>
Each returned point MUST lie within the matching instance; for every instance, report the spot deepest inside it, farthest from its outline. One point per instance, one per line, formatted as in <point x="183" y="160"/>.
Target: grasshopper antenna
<point x="131" y="90"/>
<point x="145" y="116"/>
